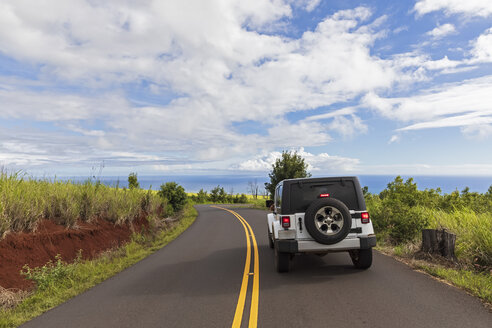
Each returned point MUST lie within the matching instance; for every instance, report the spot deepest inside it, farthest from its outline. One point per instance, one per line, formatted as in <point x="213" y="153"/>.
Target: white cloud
<point x="222" y="72"/>
<point x="308" y="5"/>
<point x="321" y="163"/>
<point x="348" y="126"/>
<point x="394" y="138"/>
<point x="467" y="103"/>
<point x="400" y="29"/>
<point x="47" y="106"/>
<point x="312" y="4"/>
<point x="464" y="169"/>
<point x="478" y="131"/>
<point x="441" y="31"/>
<point x="173" y="168"/>
<point x="482" y="47"/>
<point x="217" y="66"/>
<point x="470" y="7"/>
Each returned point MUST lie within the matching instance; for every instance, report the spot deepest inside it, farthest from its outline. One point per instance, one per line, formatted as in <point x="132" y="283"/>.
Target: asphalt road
<point x="195" y="281"/>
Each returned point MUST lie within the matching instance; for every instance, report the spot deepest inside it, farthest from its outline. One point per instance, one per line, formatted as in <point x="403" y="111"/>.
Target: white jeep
<point x="320" y="215"/>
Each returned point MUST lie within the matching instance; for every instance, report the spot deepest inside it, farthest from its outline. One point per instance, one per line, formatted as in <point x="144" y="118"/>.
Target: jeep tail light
<point x="364" y="217"/>
<point x="286" y="222"/>
<point x="324" y="195"/>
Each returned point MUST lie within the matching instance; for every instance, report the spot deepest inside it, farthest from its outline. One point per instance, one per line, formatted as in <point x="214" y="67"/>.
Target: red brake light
<point x="286" y="221"/>
<point x="364" y="217"/>
<point x="324" y="195"/>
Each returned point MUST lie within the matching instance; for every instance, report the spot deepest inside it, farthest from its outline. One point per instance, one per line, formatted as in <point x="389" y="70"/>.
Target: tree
<point x="253" y="188"/>
<point x="201" y="197"/>
<point x="132" y="181"/>
<point x="218" y="195"/>
<point x="289" y="166"/>
<point x="175" y="195"/>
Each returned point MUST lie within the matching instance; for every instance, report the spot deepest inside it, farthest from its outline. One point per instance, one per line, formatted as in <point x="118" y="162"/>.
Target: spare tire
<point x="328" y="220"/>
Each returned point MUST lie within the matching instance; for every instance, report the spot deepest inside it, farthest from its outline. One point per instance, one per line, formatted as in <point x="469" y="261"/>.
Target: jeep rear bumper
<point x="311" y="246"/>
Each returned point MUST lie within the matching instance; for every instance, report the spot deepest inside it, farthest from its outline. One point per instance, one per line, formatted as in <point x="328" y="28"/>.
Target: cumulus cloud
<point x="218" y="72"/>
<point x="321" y="163"/>
<point x="312" y="4"/>
<point x="441" y="31"/>
<point x="470" y="8"/>
<point x="208" y="66"/>
<point x="482" y="47"/>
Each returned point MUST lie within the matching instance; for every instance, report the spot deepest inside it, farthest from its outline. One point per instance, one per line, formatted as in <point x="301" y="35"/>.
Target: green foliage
<point x="242" y="199"/>
<point x="49" y="274"/>
<point x="218" y="195"/>
<point x="290" y="166"/>
<point x="175" y="195"/>
<point x="398" y="211"/>
<point x="201" y="197"/>
<point x="401" y="210"/>
<point x="133" y="181"/>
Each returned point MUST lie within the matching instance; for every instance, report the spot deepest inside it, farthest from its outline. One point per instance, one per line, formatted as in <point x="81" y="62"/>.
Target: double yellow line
<point x="253" y="312"/>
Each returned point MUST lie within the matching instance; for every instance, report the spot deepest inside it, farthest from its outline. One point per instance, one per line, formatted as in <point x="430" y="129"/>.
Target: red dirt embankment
<point x="37" y="248"/>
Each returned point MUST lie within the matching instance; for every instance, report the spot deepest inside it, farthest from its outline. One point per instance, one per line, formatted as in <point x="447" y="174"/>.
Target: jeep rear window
<point x="303" y="194"/>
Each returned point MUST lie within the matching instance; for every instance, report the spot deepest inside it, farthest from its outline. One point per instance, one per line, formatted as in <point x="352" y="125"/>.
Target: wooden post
<point x="447" y="244"/>
<point x="439" y="242"/>
<point x="429" y="240"/>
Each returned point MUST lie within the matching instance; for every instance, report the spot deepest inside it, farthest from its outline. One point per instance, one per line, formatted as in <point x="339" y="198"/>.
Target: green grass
<point x="473" y="231"/>
<point x="25" y="201"/>
<point x="478" y="284"/>
<point x="59" y="281"/>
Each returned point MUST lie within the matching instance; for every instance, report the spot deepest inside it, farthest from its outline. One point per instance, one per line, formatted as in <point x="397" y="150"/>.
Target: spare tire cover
<point x="328" y="220"/>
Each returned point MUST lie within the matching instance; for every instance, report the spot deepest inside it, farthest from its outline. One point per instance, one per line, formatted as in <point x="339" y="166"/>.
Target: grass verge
<point x="475" y="283"/>
<point x="59" y="281"/>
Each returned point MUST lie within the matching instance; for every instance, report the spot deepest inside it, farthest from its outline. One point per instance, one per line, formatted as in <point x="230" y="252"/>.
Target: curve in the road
<point x="255" y="294"/>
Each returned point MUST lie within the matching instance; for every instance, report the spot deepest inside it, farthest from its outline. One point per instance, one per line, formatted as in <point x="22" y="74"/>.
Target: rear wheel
<point x="282" y="261"/>
<point x="362" y="258"/>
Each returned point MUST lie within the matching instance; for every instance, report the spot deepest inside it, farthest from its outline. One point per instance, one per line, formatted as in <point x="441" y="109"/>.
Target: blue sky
<point x="222" y="87"/>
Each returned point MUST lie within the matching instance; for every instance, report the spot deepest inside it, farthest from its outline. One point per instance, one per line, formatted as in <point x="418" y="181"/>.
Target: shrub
<point x="175" y="195"/>
<point x="49" y="274"/>
<point x="201" y="197"/>
<point x="242" y="199"/>
<point x="132" y="181"/>
<point x="218" y="195"/>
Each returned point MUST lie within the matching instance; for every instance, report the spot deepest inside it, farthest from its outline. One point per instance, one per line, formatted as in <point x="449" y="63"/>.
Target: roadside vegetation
<point x="58" y="281"/>
<point x="24" y="201"/>
<point x="401" y="211"/>
<point x="219" y="196"/>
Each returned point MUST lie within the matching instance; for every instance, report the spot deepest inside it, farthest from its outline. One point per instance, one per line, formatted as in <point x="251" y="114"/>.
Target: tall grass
<point x="473" y="231"/>
<point x="24" y="201"/>
<point x="401" y="211"/>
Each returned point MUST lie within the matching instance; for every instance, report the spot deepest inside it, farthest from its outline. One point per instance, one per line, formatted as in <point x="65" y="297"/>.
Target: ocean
<point x="239" y="183"/>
